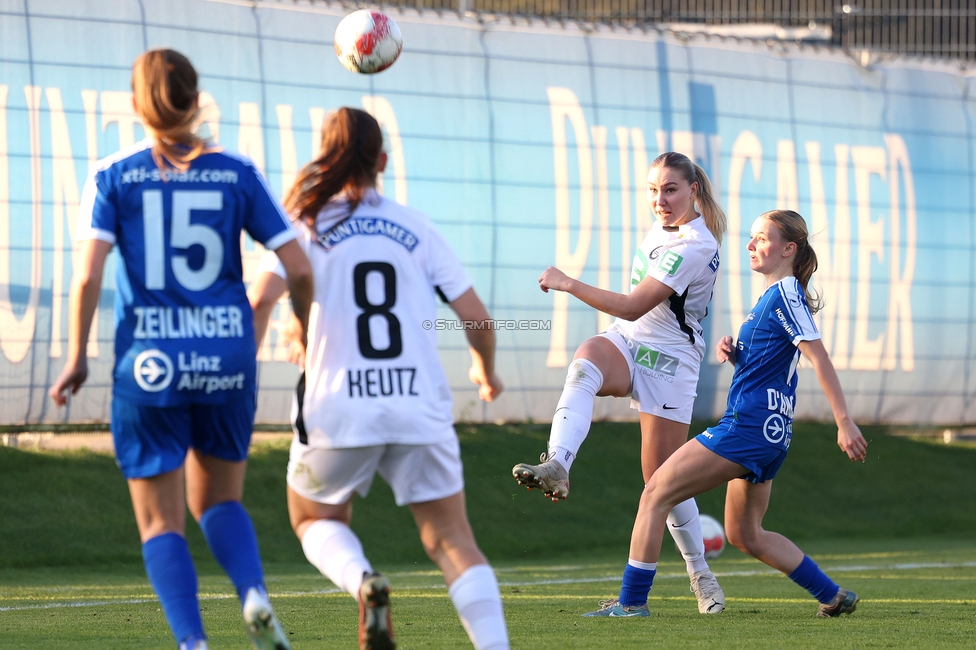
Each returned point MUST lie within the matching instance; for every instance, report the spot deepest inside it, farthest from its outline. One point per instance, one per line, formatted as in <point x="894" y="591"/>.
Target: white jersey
<point x="686" y="259"/>
<point x="372" y="373"/>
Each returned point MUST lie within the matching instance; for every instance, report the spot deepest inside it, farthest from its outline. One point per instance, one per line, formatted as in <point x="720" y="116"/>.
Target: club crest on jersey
<point x="153" y="370"/>
<point x="367" y="226"/>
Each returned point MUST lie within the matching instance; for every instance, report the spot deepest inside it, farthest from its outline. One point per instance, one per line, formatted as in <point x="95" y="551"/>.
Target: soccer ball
<point x="367" y="41"/>
<point x="714" y="536"/>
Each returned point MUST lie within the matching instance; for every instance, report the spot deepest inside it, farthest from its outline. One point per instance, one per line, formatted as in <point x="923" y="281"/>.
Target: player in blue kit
<point x="184" y="378"/>
<point x="748" y="446"/>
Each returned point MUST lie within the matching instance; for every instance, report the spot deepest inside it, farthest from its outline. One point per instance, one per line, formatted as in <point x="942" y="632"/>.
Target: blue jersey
<point x="184" y="332"/>
<point x="763" y="391"/>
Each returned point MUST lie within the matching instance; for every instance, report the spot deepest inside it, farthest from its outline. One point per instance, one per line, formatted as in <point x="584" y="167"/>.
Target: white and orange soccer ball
<point x="367" y="41"/>
<point x="713" y="535"/>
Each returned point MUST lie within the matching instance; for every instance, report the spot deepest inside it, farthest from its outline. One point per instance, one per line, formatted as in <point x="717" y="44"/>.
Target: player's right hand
<point x="72" y="377"/>
<point x="490" y="386"/>
<point x="725" y="350"/>
<point x="553" y="278"/>
<point x="851" y="441"/>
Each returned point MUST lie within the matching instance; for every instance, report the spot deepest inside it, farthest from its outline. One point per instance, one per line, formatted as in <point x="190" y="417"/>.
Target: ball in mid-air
<point x="367" y="41"/>
<point x="713" y="535"/>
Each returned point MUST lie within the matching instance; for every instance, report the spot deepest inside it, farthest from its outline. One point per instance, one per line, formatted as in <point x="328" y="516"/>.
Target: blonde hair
<point x="793" y="228"/>
<point x="164" y="85"/>
<point x="714" y="216"/>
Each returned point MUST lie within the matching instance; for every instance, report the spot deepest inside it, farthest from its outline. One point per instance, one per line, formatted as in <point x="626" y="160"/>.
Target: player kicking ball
<point x="749" y="444"/>
<point x="651" y="353"/>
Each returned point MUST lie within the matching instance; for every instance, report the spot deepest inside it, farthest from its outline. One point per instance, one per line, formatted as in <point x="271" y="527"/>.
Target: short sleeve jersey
<point x="762" y="396"/>
<point x="686" y="259"/>
<point x="184" y="332"/>
<point x="372" y="372"/>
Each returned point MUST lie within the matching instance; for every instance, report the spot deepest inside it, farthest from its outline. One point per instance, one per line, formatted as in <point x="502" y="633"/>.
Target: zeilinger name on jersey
<point x="212" y="321"/>
<point x="382" y="382"/>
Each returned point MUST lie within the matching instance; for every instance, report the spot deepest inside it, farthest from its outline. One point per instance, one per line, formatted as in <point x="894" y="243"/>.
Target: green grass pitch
<point x="917" y="594"/>
<point x="899" y="530"/>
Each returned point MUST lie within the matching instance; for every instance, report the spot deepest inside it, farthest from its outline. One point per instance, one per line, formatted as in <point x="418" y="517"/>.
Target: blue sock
<point x="233" y="542"/>
<point x="809" y="576"/>
<point x="635" y="585"/>
<point x="173" y="578"/>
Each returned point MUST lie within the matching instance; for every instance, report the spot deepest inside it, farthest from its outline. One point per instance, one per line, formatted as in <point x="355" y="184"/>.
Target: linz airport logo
<point x="153" y="370"/>
<point x="774" y="428"/>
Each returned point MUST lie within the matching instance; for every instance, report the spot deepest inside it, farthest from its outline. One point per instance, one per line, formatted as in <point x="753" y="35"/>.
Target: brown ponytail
<point x="164" y="85"/>
<point x="351" y="146"/>
<point x="794" y="229"/>
<point x="714" y="216"/>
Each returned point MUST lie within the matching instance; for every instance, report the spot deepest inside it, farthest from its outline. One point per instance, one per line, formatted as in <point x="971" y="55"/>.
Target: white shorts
<point x="417" y="473"/>
<point x="661" y="384"/>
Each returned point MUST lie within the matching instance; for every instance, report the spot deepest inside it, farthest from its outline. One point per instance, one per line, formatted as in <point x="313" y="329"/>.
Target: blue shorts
<point x="762" y="461"/>
<point x="152" y="440"/>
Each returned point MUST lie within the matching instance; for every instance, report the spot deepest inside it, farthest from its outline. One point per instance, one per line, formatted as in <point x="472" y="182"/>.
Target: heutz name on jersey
<point x="382" y="382"/>
<point x="154" y="371"/>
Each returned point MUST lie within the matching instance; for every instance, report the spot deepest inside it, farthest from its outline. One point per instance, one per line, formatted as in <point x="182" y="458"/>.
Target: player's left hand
<point x="851" y="442"/>
<point x="553" y="278"/>
<point x="490" y="385"/>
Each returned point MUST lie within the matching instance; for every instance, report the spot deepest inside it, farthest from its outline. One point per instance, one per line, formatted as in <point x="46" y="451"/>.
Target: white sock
<point x="334" y="549"/>
<point x="574" y="411"/>
<point x="647" y="566"/>
<point x="479" y="605"/>
<point x="685" y="528"/>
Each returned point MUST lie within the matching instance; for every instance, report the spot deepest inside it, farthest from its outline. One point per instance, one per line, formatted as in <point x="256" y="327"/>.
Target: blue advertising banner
<point x="528" y="145"/>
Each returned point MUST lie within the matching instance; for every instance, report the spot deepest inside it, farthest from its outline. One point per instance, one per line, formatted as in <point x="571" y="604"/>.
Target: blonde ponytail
<point x="709" y="208"/>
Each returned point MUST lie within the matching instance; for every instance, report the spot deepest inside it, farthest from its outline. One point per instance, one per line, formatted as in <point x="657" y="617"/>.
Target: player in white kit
<point x="652" y="352"/>
<point x="373" y="397"/>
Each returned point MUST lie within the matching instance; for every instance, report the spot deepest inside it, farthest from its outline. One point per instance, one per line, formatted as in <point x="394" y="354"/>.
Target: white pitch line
<point x="93" y="603"/>
<point x="903" y="566"/>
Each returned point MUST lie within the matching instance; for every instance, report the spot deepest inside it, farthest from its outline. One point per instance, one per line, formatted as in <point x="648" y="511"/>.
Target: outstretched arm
<point x="646" y="296"/>
<point x="849" y="437"/>
<point x="481" y="342"/>
<point x="86" y="288"/>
